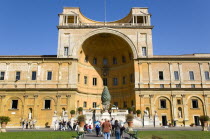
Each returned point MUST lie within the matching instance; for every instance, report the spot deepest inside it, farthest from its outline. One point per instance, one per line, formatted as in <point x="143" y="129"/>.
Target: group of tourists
<point x="28" y="124"/>
<point x="65" y="125"/>
<point x="109" y="128"/>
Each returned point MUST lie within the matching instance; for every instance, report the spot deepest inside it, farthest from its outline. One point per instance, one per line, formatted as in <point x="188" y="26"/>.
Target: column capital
<point x="170" y="63"/>
<point x="141" y="96"/>
<point x="58" y="96"/>
<point x="38" y="63"/>
<point x="200" y="63"/>
<point x="183" y="95"/>
<point x="180" y="63"/>
<point x="2" y="96"/>
<point x="25" y="96"/>
<point x="29" y="63"/>
<point x="149" y="63"/>
<point x="60" y="63"/>
<point x="69" y="63"/>
<point x="36" y="96"/>
<point x="139" y="63"/>
<point x="7" y="63"/>
<point x="205" y="95"/>
<point x="173" y="96"/>
<point x="68" y="96"/>
<point x="151" y="96"/>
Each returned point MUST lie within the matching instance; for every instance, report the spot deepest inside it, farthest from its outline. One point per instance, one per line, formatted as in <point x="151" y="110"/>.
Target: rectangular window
<point x="207" y="75"/>
<point x="131" y="78"/>
<point x="124" y="80"/>
<point x="66" y="51"/>
<point x="95" y="61"/>
<point x="105" y="83"/>
<point x="78" y="78"/>
<point x="132" y="103"/>
<point x="33" y="77"/>
<point x="144" y="51"/>
<point x="47" y="104"/>
<point x="2" y="75"/>
<point x="161" y="85"/>
<point x="105" y="61"/>
<point x="176" y="75"/>
<point x="123" y="59"/>
<point x="179" y="101"/>
<point x="14" y="104"/>
<point x="116" y="104"/>
<point x="114" y="60"/>
<point x="94" y="104"/>
<point x="191" y="73"/>
<point x="178" y="85"/>
<point x="85" y="104"/>
<point x="85" y="79"/>
<point x="161" y="75"/>
<point x="194" y="103"/>
<point x="17" y="75"/>
<point x="163" y="103"/>
<point x="49" y="75"/>
<point x="125" y="104"/>
<point x="192" y="85"/>
<point x="115" y="81"/>
<point x="94" y="81"/>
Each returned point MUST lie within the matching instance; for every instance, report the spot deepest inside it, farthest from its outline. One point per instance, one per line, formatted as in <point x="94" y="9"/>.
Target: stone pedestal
<point x="54" y="118"/>
<point x="156" y="121"/>
<point x="146" y="121"/>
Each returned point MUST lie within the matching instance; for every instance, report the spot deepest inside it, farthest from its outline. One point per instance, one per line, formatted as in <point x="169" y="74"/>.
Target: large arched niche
<point x="106" y="56"/>
<point x="77" y="46"/>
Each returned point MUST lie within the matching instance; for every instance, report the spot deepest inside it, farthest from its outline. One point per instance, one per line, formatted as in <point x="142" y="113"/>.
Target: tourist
<point x="117" y="129"/>
<point x="69" y="125"/>
<point x="23" y="124"/>
<point x="106" y="129"/>
<point x="101" y="122"/>
<point x="26" y="124"/>
<point x="55" y="124"/>
<point x="113" y="127"/>
<point x="97" y="128"/>
<point x="122" y="129"/>
<point x="34" y="123"/>
<point x="90" y="126"/>
<point x="30" y="124"/>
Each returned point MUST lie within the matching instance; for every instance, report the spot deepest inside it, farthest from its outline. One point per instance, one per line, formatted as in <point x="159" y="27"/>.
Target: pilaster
<point x="174" y="109"/>
<point x="36" y="106"/>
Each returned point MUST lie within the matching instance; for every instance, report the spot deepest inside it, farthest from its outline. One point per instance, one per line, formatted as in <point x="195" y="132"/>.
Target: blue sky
<point x="28" y="27"/>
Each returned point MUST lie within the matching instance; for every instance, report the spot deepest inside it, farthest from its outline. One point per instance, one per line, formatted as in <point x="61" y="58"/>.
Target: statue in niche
<point x="180" y="114"/>
<point x="146" y="113"/>
<point x="30" y="115"/>
<point x="55" y="113"/>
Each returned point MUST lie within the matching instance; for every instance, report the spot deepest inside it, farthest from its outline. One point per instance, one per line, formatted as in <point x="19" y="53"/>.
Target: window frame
<point x="115" y="81"/>
<point x="206" y="74"/>
<point x="94" y="104"/>
<point x="196" y="105"/>
<point x="49" y="79"/>
<point x="66" y="51"/>
<point x="191" y="76"/>
<point x="176" y="75"/>
<point x="85" y="80"/>
<point x="163" y="100"/>
<point x="159" y="75"/>
<point x="47" y="108"/>
<point x="16" y="76"/>
<point x="94" y="81"/>
<point x="32" y="77"/>
<point x="144" y="51"/>
<point x="2" y="78"/>
<point x="16" y="104"/>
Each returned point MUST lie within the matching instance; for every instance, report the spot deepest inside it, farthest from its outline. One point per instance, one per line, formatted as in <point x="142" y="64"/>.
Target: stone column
<point x="136" y="74"/>
<point x="152" y="105"/>
<point x="181" y="74"/>
<point x="141" y="104"/>
<point x="68" y="103"/>
<point x="58" y="109"/>
<point x="149" y="20"/>
<point x="59" y="72"/>
<point x="201" y="74"/>
<point x="28" y="73"/>
<point x="73" y="74"/>
<point x="205" y="105"/>
<point x="133" y="20"/>
<point x="1" y="104"/>
<point x="171" y="73"/>
<point x="150" y="74"/>
<point x="25" y="107"/>
<point x="36" y="106"/>
<point x="173" y="107"/>
<point x="6" y="72"/>
<point x="38" y="71"/>
<point x="185" y="109"/>
<point x="143" y="20"/>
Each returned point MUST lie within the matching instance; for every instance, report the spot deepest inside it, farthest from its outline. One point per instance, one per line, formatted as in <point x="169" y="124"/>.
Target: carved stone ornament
<point x="105" y="98"/>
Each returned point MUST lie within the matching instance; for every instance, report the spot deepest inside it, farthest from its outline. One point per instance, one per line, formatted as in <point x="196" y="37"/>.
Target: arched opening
<point x="106" y="59"/>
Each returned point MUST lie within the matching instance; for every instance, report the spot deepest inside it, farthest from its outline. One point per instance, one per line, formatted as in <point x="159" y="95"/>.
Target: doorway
<point x="164" y="120"/>
<point x="196" y="119"/>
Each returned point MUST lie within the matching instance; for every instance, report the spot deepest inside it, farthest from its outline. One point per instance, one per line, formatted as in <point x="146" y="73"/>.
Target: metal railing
<point x="105" y="24"/>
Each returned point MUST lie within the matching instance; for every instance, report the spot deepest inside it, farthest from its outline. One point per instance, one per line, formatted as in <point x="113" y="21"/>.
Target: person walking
<point x="97" y="128"/>
<point x="106" y="129"/>
<point x="117" y="129"/>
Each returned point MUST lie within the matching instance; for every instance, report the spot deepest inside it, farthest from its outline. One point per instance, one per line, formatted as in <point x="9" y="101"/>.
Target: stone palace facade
<point x="94" y="54"/>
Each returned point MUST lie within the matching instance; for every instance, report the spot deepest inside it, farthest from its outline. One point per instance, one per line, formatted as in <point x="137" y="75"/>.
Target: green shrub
<point x="129" y="117"/>
<point x="204" y="118"/>
<point x="80" y="109"/>
<point x="5" y="119"/>
<point x="81" y="118"/>
<point x="72" y="112"/>
<point x="138" y="112"/>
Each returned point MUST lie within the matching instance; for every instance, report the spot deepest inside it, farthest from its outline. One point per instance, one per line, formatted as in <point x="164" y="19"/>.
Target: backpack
<point x="97" y="126"/>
